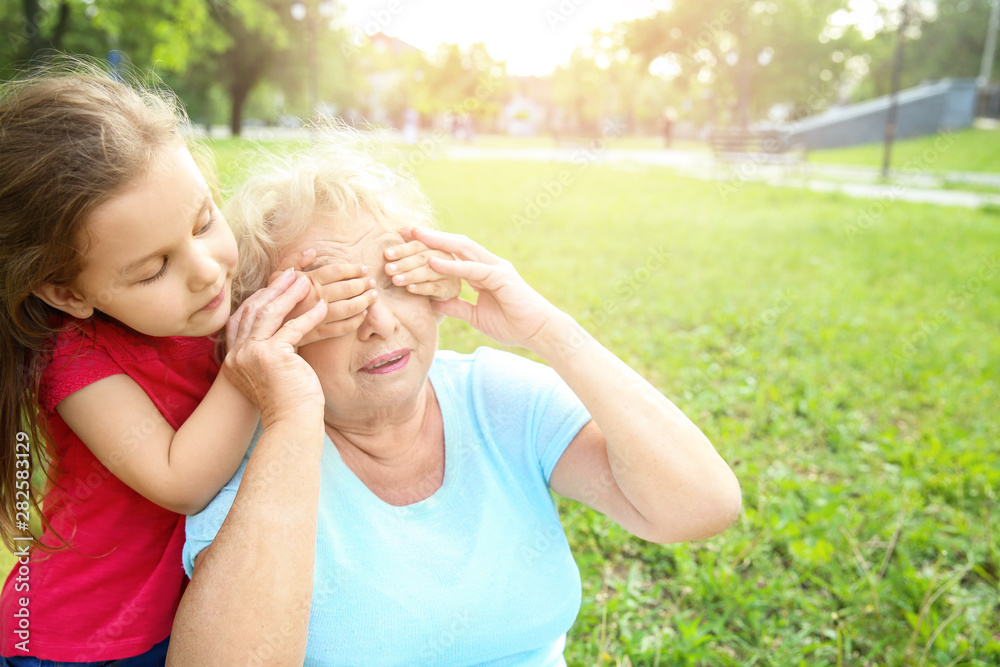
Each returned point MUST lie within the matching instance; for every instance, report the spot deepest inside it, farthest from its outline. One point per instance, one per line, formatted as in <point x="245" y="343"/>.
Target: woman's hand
<point x="408" y="265"/>
<point x="262" y="361"/>
<point x="507" y="309"/>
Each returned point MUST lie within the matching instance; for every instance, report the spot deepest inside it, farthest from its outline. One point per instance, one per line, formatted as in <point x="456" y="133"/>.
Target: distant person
<point x="396" y="507"/>
<point x="411" y="125"/>
<point x="668" y="128"/>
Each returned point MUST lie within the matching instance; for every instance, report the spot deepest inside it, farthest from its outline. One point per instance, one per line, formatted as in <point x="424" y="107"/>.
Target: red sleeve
<point x="75" y="361"/>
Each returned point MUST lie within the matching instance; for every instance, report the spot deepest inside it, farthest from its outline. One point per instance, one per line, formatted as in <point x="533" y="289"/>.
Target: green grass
<point x="964" y="150"/>
<point x="628" y="142"/>
<point x="841" y="355"/>
<point x="845" y="363"/>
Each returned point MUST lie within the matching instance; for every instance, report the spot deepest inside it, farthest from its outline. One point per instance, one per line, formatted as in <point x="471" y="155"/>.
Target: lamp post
<point x="897" y="69"/>
<point x="311" y="12"/>
<point x="986" y="68"/>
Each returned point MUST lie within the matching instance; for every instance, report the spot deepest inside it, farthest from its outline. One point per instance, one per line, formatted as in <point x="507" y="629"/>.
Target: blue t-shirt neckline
<point x="452" y="464"/>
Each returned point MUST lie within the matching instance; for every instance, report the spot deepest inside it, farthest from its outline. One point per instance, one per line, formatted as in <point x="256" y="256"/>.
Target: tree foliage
<point x="745" y="55"/>
<point x="718" y="61"/>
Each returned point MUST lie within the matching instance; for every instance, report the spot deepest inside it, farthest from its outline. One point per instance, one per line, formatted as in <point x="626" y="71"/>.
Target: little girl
<point x="116" y="268"/>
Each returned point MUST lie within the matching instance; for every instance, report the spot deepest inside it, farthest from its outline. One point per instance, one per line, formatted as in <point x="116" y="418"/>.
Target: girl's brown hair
<point x="71" y="137"/>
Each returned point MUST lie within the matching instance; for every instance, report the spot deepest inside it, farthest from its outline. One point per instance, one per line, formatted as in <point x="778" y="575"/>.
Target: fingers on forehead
<point x="404" y="249"/>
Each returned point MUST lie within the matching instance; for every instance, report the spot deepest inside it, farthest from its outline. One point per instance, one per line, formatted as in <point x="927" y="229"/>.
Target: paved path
<point x="941" y="188"/>
<point x="862" y="182"/>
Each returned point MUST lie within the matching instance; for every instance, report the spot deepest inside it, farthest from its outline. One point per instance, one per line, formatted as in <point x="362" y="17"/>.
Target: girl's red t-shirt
<point x="114" y="592"/>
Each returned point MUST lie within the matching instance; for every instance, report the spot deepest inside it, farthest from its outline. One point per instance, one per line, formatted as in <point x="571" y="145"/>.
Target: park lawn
<point x="626" y="142"/>
<point x="963" y="150"/>
<point x="844" y="360"/>
<point x="842" y="356"/>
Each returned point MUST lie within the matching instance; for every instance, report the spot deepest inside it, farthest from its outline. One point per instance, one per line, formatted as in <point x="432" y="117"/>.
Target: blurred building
<point x="948" y="104"/>
<point x="529" y="109"/>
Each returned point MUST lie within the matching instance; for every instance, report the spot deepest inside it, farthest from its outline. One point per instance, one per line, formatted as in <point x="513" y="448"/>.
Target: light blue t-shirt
<point x="479" y="572"/>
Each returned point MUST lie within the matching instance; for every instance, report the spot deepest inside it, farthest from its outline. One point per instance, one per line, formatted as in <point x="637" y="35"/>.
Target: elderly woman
<point x="395" y="508"/>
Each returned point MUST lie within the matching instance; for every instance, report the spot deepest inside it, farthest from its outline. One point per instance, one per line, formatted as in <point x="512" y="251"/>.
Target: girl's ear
<point x="65" y="299"/>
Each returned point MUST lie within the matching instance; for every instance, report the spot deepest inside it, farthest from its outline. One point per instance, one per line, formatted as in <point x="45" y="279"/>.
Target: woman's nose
<point x="380" y="321"/>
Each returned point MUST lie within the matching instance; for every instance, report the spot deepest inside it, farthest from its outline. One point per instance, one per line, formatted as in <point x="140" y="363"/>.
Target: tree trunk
<point x="32" y="32"/>
<point x="61" y="27"/>
<point x="745" y="88"/>
<point x="35" y="41"/>
<point x="238" y="94"/>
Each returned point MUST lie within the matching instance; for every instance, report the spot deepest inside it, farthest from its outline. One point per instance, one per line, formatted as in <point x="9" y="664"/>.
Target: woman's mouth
<point x="387" y="363"/>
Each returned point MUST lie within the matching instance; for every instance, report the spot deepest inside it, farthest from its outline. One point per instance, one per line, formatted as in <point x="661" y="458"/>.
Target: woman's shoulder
<point x="482" y="360"/>
<point x="488" y="371"/>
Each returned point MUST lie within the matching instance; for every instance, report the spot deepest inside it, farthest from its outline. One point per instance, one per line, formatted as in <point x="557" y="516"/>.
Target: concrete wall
<point x="946" y="104"/>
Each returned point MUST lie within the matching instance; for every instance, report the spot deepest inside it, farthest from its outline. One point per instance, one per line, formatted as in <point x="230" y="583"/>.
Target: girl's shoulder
<point x="84" y="351"/>
<point x="102" y="335"/>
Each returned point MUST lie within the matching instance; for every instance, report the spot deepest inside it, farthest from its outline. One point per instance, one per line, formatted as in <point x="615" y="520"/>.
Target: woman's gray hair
<point x="336" y="175"/>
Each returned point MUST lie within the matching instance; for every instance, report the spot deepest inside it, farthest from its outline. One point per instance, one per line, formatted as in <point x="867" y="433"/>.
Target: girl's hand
<point x="346" y="288"/>
<point x="507" y="309"/>
<point x="408" y="266"/>
<point x="262" y="340"/>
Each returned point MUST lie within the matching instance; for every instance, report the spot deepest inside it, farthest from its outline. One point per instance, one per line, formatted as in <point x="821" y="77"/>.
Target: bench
<point x="766" y="147"/>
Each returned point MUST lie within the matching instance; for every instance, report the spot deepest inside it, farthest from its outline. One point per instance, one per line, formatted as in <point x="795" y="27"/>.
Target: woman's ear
<point x="65" y="299"/>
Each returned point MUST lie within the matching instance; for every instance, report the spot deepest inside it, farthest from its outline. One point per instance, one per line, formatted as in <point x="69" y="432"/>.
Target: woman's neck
<point x="400" y="458"/>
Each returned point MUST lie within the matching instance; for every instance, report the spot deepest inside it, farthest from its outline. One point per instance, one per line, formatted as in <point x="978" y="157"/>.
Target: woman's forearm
<point x="663" y="464"/>
<point x="249" y="599"/>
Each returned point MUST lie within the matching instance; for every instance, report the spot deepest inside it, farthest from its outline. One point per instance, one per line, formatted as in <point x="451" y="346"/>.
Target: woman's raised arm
<point x="249" y="598"/>
<point x="641" y="461"/>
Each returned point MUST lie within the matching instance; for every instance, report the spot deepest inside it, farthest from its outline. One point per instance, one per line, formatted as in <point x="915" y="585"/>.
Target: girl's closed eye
<point x="204" y="229"/>
<point x="208" y="225"/>
<point x="159" y="274"/>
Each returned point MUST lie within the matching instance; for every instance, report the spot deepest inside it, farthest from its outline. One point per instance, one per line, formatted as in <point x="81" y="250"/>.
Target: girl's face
<point x="161" y="257"/>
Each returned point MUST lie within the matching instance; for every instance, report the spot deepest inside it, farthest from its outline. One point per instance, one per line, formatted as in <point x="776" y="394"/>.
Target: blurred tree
<point x="463" y="82"/>
<point x="578" y="87"/>
<point x="148" y="31"/>
<point x="605" y="80"/>
<point x="381" y="77"/>
<point x="749" y="56"/>
<point x="957" y="29"/>
<point x="154" y="33"/>
<point x="251" y="35"/>
<point x="43" y="27"/>
<point x="261" y="41"/>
